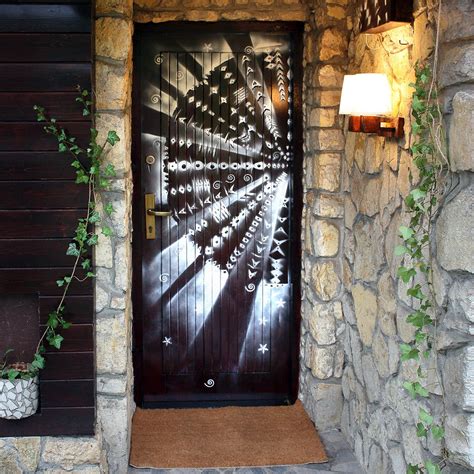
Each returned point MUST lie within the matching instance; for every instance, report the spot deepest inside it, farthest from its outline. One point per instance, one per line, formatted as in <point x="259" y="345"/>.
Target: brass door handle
<point x="153" y="212"/>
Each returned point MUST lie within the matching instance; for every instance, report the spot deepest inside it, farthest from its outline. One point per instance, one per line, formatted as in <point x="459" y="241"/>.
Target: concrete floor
<point x="341" y="460"/>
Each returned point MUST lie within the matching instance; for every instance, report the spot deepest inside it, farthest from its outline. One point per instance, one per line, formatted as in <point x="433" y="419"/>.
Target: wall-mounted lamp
<point x="367" y="99"/>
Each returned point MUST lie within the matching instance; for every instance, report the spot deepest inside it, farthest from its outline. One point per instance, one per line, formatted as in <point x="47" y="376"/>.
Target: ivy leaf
<point x="12" y="374"/>
<point x="406" y="274"/>
<point x="94" y="217"/>
<point x="56" y="341"/>
<point x="38" y="362"/>
<point x="412" y="469"/>
<point x="107" y="231"/>
<point x="109" y="170"/>
<point x="86" y="264"/>
<point x="400" y="250"/>
<point x="109" y="209"/>
<point x="90" y="275"/>
<point x="408" y="352"/>
<point x="93" y="239"/>
<point x="60" y="283"/>
<point x="72" y="250"/>
<point x="406" y="232"/>
<point x="66" y="325"/>
<point x="432" y="468"/>
<point x="112" y="138"/>
<point x="418" y="194"/>
<point x="421" y="430"/>
<point x="438" y="432"/>
<point x="425" y="417"/>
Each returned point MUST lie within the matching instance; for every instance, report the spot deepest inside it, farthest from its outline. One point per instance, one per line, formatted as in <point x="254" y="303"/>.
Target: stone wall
<point x="379" y="417"/>
<point x="322" y="352"/>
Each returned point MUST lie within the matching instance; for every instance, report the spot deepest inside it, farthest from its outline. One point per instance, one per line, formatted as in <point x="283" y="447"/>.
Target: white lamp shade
<point x="366" y="94"/>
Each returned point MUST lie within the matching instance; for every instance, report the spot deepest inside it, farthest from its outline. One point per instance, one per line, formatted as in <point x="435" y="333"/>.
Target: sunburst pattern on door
<point x="219" y="117"/>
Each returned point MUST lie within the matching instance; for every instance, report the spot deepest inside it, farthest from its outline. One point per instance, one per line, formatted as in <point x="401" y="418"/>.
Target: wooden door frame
<point x="295" y="30"/>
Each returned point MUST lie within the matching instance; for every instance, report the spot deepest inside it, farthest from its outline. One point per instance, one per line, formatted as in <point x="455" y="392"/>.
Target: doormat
<point x="224" y="437"/>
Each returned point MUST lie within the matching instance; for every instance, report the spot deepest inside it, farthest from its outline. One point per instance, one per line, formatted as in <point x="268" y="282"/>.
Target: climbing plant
<point x="91" y="171"/>
<point x="422" y="204"/>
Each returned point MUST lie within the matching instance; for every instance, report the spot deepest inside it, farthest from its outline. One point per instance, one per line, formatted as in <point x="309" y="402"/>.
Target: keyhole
<point x="150" y="229"/>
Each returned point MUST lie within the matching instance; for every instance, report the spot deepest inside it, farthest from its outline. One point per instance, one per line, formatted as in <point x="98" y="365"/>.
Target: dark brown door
<point x="217" y="148"/>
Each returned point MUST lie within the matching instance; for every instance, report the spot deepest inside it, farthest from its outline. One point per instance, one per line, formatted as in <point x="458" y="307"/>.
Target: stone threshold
<point x="341" y="460"/>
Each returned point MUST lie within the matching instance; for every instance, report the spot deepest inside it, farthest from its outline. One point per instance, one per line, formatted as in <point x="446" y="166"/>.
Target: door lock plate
<point x="150" y="221"/>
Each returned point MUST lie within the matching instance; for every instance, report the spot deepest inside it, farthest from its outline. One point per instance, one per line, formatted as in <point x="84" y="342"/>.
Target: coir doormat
<point x="224" y="437"/>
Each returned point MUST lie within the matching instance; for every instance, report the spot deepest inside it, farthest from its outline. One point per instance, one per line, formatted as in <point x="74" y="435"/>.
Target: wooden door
<point x="217" y="146"/>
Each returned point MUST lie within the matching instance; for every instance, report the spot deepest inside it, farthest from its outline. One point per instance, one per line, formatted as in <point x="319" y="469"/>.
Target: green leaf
<point x="425" y="417"/>
<point x="406" y="274"/>
<point x="112" y="138"/>
<point x="93" y="239"/>
<point x="86" y="264"/>
<point x="107" y="231"/>
<point x="109" y="170"/>
<point x="400" y="250"/>
<point x="412" y="469"/>
<point x="432" y="468"/>
<point x="90" y="275"/>
<point x="60" y="283"/>
<point x="421" y="430"/>
<point x="408" y="352"/>
<point x="38" y="362"/>
<point x="67" y="279"/>
<point x="438" y="432"/>
<point x="56" y="341"/>
<point x="12" y="374"/>
<point x="76" y="164"/>
<point x="72" y="250"/>
<point x="406" y="232"/>
<point x="109" y="209"/>
<point x="66" y="325"/>
<point x="94" y="217"/>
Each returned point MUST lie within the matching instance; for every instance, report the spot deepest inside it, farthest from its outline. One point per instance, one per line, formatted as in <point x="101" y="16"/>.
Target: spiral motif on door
<point x="158" y="59"/>
<point x="210" y="383"/>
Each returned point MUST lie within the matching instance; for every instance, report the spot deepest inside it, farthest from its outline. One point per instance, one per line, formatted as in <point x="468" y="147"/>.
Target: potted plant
<point x="19" y="391"/>
<point x="19" y="387"/>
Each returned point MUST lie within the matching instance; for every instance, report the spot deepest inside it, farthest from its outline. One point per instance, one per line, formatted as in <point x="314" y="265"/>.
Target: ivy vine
<point x="422" y="204"/>
<point x="92" y="172"/>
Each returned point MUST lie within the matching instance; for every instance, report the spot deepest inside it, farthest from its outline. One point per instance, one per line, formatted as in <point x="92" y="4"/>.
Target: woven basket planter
<point x="18" y="398"/>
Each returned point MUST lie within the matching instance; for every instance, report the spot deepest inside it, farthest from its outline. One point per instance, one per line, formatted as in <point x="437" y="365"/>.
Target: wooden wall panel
<point x="46" y="52"/>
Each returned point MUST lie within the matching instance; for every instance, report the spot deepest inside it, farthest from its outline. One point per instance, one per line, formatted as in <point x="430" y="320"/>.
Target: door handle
<point x="150" y="214"/>
<point x="154" y="212"/>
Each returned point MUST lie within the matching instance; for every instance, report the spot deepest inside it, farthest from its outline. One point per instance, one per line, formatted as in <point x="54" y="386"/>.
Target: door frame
<point x="295" y="30"/>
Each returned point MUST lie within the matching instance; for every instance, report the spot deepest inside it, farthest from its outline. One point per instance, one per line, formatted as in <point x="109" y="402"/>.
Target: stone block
<point x="333" y="44"/>
<point x="326" y="140"/>
<point x="328" y="98"/>
<point x="365" y="304"/>
<point x="112" y="351"/>
<point x="381" y="355"/>
<point x="325" y="280"/>
<point x="329" y="76"/>
<point x="114" y="7"/>
<point x="28" y="452"/>
<point x="321" y="361"/>
<point x="456" y="64"/>
<point x="327" y="171"/>
<point x="371" y="379"/>
<point x="325" y="238"/>
<point x="460" y="438"/>
<point x="461" y="133"/>
<point x="113" y="38"/>
<point x="70" y="452"/>
<point x="322" y="117"/>
<point x="325" y="405"/>
<point x="329" y="205"/>
<point x="368" y="250"/>
<point x="455" y="232"/>
<point x="112" y="86"/>
<point x="113" y="414"/>
<point x="322" y="322"/>
<point x="458" y="375"/>
<point x="119" y="154"/>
